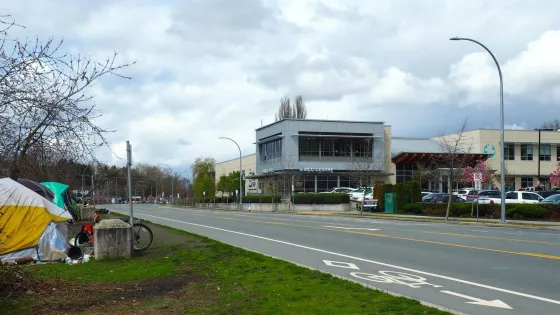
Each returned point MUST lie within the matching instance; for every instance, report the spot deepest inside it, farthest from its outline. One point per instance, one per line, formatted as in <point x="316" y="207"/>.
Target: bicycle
<point x="142" y="235"/>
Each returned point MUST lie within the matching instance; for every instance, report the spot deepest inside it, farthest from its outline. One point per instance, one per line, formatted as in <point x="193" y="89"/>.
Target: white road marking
<point x="555" y="234"/>
<point x="513" y="233"/>
<point x="349" y="228"/>
<point x="479" y="231"/>
<point x="477" y="301"/>
<point x="530" y="296"/>
<point x="341" y="264"/>
<point x="396" y="277"/>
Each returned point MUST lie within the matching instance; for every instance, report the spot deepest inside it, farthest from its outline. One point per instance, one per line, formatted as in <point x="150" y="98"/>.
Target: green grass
<point x="233" y="280"/>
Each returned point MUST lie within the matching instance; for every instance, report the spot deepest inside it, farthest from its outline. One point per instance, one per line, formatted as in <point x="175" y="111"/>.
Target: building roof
<point x="401" y="145"/>
<point x="324" y="120"/>
<point x="408" y="150"/>
<point x="243" y="157"/>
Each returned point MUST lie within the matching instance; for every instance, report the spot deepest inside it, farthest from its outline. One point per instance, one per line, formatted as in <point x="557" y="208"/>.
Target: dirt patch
<point x="119" y="298"/>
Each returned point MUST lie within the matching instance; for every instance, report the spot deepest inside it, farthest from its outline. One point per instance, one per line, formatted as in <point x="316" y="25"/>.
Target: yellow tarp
<point x="24" y="215"/>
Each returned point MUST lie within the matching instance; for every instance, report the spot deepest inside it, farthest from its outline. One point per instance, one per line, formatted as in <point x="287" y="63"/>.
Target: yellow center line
<point x="441" y="233"/>
<point x="401" y="238"/>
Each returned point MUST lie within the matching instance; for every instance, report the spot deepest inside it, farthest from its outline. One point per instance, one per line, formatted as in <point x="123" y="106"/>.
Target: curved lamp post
<point x="85" y="168"/>
<point x="502" y="164"/>
<point x="240" y="174"/>
<point x="171" y="170"/>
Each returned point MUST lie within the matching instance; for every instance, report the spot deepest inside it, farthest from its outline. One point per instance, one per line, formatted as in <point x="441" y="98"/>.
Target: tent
<point x="38" y="188"/>
<point x="61" y="196"/>
<point x="30" y="225"/>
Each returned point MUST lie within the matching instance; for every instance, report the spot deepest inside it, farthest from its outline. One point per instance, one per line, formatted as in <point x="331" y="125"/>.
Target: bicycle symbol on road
<point x="395" y="277"/>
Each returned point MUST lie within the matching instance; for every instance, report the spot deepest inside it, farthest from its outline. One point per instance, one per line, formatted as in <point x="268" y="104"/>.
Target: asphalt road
<point x="466" y="269"/>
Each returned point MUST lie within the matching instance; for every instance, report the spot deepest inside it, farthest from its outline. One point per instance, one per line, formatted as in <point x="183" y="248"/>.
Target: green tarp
<point x="58" y="190"/>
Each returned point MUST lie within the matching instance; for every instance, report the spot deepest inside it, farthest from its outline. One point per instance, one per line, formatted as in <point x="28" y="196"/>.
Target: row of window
<point x="271" y="152"/>
<point x="545" y="153"/>
<point x="323" y="183"/>
<point x="326" y="147"/>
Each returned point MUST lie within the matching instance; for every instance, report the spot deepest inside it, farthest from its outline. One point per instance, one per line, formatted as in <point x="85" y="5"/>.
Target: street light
<point x="502" y="163"/>
<point x="85" y="168"/>
<point x="171" y="179"/>
<point x="240" y="172"/>
<point x="539" y="152"/>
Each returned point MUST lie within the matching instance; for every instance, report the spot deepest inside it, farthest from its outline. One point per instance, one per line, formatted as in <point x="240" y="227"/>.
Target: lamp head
<point x="455" y="38"/>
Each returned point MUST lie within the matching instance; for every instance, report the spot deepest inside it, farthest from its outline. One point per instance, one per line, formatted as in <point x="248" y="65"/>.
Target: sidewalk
<point x="405" y="217"/>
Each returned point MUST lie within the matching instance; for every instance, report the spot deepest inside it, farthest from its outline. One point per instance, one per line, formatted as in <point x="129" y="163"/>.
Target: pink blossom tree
<point x="480" y="167"/>
<point x="555" y="176"/>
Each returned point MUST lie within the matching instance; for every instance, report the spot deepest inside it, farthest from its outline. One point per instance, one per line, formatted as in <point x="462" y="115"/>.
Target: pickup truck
<point x="514" y="197"/>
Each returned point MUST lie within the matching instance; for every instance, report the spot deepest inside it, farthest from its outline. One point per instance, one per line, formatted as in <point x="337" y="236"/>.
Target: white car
<point x="358" y="194"/>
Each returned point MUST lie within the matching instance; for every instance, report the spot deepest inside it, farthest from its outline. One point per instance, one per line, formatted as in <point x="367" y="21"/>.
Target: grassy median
<point x="185" y="273"/>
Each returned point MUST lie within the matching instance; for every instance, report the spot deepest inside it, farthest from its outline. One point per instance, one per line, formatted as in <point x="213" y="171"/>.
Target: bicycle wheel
<point x="142" y="236"/>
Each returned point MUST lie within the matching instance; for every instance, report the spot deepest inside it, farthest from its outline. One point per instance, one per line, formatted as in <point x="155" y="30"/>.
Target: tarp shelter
<point x="61" y="195"/>
<point x="30" y="225"/>
<point x="38" y="188"/>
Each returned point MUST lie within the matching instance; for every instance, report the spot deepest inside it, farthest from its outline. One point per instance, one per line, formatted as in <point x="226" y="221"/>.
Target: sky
<point x="211" y="68"/>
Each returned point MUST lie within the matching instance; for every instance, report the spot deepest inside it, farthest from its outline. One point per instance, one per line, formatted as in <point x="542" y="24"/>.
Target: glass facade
<point x="308" y="183"/>
<point x="509" y="151"/>
<point x="526" y="152"/>
<point x="334" y="148"/>
<point x="271" y="152"/>
<point x="545" y="152"/>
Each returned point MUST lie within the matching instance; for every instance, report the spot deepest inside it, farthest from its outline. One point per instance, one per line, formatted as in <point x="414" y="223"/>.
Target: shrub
<point x="399" y="190"/>
<point x="527" y="211"/>
<point x="411" y="208"/>
<point x="224" y="199"/>
<point x="386" y="188"/>
<point x="261" y="199"/>
<point x="321" y="199"/>
<point x="415" y="191"/>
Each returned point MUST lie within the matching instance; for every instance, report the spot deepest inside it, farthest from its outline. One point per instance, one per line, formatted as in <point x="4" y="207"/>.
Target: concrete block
<point x="86" y="213"/>
<point x="113" y="239"/>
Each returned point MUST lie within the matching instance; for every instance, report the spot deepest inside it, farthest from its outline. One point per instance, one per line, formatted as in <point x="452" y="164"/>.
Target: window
<point x="526" y="152"/>
<point x="526" y="182"/>
<point x="309" y="146"/>
<point x="509" y="152"/>
<point x="344" y="181"/>
<point x="404" y="172"/>
<point x="558" y="152"/>
<point x="271" y="152"/>
<point x="544" y="154"/>
<point x="511" y="195"/>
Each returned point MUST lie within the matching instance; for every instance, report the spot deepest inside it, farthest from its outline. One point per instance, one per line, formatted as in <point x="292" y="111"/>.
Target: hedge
<point x="386" y="188"/>
<point x="261" y="199"/>
<point x="399" y="190"/>
<point x="463" y="209"/>
<point x="321" y="199"/>
<point x="224" y="199"/>
<point x="415" y="191"/>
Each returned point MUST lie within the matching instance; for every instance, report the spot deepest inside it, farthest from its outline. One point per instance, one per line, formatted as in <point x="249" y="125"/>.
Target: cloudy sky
<point x="211" y="68"/>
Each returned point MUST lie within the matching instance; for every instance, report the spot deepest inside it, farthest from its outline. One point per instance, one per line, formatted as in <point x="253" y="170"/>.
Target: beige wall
<point x="517" y="168"/>
<point x="248" y="164"/>
<point x="390" y="167"/>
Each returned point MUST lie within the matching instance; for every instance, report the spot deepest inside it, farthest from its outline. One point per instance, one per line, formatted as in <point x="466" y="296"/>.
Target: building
<point x="318" y="155"/>
<point x="521" y="154"/>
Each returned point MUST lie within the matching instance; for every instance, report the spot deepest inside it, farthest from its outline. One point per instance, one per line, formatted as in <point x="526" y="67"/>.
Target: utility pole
<point x="93" y="189"/>
<point x="129" y="171"/>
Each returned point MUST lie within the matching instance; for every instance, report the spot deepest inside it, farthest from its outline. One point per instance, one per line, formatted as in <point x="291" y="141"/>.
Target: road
<point x="466" y="269"/>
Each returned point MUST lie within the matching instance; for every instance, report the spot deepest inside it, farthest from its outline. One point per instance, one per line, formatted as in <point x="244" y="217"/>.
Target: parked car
<point x="514" y="197"/>
<point x="428" y="197"/>
<point x="340" y="190"/>
<point x="442" y="198"/>
<point x="425" y="193"/>
<point x="466" y="194"/>
<point x="552" y="199"/>
<point x="358" y="194"/>
<point x="546" y="193"/>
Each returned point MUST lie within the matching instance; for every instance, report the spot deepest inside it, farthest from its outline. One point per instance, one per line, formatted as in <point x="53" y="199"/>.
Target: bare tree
<point x="363" y="166"/>
<point x="455" y="157"/>
<point x="553" y="124"/>
<point x="286" y="110"/>
<point x="47" y="111"/>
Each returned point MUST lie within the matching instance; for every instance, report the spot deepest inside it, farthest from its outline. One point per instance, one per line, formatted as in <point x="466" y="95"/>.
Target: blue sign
<point x="491" y="150"/>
